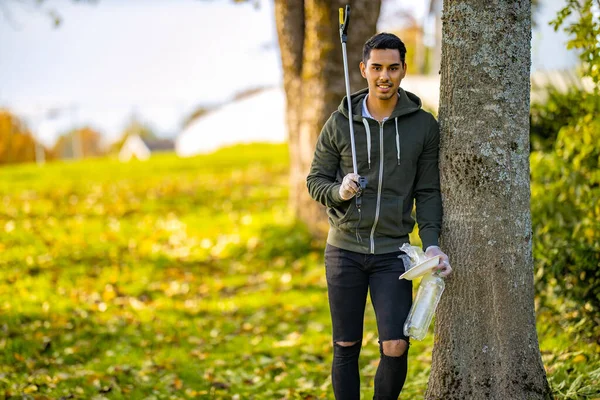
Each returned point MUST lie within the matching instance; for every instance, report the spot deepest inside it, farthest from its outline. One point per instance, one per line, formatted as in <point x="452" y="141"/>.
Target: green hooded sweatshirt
<point x="399" y="158"/>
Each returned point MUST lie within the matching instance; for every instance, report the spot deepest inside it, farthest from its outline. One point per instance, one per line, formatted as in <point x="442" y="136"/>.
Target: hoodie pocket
<point x="349" y="219"/>
<point x="390" y="217"/>
<point x="340" y="215"/>
<point x="349" y="213"/>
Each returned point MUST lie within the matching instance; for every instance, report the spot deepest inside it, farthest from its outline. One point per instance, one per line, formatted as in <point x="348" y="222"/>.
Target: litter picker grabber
<point x="362" y="181"/>
<point x="344" y="22"/>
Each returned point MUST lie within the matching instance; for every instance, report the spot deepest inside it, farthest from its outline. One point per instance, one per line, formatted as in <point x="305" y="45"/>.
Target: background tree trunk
<point x="313" y="77"/>
<point x="486" y="344"/>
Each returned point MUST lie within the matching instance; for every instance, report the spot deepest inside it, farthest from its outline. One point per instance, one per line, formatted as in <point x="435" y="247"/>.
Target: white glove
<point x="443" y="267"/>
<point x="349" y="186"/>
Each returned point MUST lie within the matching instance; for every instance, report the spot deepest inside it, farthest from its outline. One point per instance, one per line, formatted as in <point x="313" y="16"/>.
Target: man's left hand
<point x="444" y="269"/>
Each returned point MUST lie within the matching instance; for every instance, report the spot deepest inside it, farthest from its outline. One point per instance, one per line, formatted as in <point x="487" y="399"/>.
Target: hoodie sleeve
<point x="321" y="180"/>
<point x="427" y="189"/>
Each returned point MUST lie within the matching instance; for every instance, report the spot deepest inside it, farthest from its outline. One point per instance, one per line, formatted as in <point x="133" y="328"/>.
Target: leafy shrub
<point x="559" y="109"/>
<point x="566" y="186"/>
<point x="566" y="217"/>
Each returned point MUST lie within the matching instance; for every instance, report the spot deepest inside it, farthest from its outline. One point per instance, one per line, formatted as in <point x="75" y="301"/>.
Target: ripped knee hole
<point x="346" y="344"/>
<point x="394" y="348"/>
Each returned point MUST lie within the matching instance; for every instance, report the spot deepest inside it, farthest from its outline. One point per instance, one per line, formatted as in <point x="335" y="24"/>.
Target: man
<point x="397" y="145"/>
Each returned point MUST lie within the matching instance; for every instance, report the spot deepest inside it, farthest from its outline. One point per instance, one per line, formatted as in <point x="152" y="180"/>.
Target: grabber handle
<point x="344" y="22"/>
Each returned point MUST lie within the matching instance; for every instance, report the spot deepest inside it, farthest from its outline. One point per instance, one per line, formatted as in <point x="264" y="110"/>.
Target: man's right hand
<point x="350" y="186"/>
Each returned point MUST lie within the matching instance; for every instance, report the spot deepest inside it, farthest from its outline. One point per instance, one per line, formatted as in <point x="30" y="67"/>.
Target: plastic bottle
<point x="423" y="308"/>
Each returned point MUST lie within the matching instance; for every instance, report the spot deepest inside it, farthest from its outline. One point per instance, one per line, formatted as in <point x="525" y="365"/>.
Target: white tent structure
<point x="259" y="117"/>
<point x="134" y="147"/>
<point x="142" y="149"/>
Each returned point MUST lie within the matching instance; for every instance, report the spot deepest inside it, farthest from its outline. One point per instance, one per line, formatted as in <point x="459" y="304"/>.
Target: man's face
<point x="384" y="71"/>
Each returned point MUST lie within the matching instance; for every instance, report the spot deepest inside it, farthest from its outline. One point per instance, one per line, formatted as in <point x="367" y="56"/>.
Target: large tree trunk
<point x="486" y="343"/>
<point x="313" y="77"/>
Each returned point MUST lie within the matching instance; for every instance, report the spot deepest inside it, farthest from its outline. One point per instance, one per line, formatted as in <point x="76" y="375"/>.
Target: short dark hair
<point x="384" y="41"/>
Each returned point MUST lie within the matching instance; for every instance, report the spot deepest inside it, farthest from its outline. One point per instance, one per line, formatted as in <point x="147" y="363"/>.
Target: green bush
<point x="566" y="188"/>
<point x="566" y="218"/>
<point x="559" y="109"/>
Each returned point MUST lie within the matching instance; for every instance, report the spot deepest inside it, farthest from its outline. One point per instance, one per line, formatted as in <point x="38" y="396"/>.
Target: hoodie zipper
<point x="372" y="237"/>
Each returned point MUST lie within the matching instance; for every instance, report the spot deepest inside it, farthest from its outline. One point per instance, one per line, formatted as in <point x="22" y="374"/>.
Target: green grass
<point x="184" y="278"/>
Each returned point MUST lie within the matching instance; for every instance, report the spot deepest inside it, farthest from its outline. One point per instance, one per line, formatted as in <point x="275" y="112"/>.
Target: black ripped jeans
<point x="350" y="276"/>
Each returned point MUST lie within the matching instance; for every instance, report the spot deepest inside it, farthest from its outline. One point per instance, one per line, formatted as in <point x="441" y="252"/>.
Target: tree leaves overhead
<point x="42" y="6"/>
<point x="584" y="30"/>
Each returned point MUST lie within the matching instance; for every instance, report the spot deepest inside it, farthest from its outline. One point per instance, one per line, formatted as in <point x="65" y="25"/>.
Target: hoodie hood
<point x="407" y="103"/>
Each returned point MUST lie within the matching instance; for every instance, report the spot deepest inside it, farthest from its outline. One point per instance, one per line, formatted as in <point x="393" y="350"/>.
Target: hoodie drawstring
<point x="397" y="140"/>
<point x="368" y="134"/>
<point x="366" y="124"/>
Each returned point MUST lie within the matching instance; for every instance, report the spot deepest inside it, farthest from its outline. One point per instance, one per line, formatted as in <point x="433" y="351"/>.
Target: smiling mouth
<point x="384" y="86"/>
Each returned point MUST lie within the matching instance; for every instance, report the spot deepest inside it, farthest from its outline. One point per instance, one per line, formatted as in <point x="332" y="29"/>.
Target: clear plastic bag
<point x="416" y="255"/>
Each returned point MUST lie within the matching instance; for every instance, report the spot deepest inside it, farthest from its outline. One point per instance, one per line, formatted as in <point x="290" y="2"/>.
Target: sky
<point x="155" y="59"/>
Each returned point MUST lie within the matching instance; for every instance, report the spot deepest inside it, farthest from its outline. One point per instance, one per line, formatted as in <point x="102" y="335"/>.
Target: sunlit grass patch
<point x="183" y="278"/>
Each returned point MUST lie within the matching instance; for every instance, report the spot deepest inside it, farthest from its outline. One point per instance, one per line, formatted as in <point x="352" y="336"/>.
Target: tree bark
<point x="486" y="344"/>
<point x="313" y="76"/>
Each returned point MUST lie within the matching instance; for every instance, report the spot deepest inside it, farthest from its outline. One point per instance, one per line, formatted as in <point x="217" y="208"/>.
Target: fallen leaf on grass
<point x="30" y="389"/>
<point x="579" y="359"/>
<point x="220" y="385"/>
<point x="177" y="383"/>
